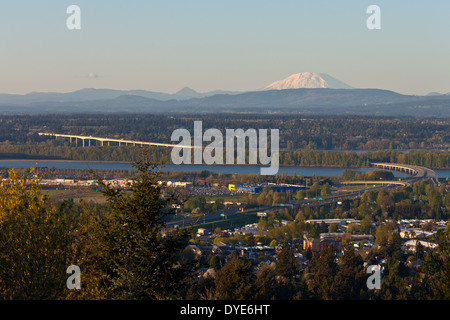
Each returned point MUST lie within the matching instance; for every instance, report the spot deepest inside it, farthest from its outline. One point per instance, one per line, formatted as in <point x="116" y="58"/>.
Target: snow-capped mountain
<point x="308" y="80"/>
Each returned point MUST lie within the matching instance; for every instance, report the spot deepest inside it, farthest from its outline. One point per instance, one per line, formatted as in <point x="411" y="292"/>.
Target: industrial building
<point x="259" y="187"/>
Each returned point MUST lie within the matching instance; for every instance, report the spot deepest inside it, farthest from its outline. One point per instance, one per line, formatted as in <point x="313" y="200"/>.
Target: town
<point x="227" y="218"/>
<point x="313" y="231"/>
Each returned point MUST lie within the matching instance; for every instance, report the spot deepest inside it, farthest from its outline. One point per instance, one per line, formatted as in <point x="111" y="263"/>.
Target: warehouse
<point x="276" y="188"/>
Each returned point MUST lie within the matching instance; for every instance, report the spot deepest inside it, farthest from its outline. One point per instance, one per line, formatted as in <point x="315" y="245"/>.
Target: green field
<point x="228" y="223"/>
<point x="237" y="198"/>
<point x="77" y="195"/>
<point x="356" y="187"/>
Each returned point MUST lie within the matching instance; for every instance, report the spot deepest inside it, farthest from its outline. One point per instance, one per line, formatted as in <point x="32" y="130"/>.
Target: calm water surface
<point x="230" y="169"/>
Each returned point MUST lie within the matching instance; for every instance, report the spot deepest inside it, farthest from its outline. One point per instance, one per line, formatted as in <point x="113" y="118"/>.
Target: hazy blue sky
<point x="228" y="44"/>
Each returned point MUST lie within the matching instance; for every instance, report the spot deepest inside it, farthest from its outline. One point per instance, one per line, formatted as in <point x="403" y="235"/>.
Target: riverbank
<point x="223" y="169"/>
<point x="225" y="165"/>
<point x="63" y="160"/>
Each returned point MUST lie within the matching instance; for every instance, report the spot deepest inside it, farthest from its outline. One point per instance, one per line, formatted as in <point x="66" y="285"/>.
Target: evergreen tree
<point x="437" y="267"/>
<point x="350" y="279"/>
<point x="235" y="280"/>
<point x="323" y="269"/>
<point x="266" y="284"/>
<point x="137" y="260"/>
<point x="393" y="286"/>
<point x="286" y="266"/>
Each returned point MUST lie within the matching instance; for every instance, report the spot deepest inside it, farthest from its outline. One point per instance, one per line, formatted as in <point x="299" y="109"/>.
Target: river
<point x="230" y="169"/>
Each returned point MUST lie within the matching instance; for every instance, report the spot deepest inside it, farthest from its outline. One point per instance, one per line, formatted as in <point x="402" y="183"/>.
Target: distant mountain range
<point x="100" y="94"/>
<point x="306" y="93"/>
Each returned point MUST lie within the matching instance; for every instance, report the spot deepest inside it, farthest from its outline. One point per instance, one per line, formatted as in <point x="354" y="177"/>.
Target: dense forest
<point x="296" y="132"/>
<point x="317" y="141"/>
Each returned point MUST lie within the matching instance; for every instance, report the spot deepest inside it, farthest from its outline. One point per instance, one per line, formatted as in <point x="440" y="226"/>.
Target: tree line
<point x="301" y="157"/>
<point x="296" y="131"/>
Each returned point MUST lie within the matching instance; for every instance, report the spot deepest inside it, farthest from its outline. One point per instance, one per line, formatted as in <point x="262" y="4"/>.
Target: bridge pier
<point x="102" y="140"/>
<point x="416" y="171"/>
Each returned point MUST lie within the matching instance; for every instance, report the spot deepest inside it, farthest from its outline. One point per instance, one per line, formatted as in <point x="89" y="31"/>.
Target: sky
<point x="237" y="45"/>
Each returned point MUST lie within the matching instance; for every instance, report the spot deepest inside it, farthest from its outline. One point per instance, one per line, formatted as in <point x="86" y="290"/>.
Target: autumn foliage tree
<point x="36" y="241"/>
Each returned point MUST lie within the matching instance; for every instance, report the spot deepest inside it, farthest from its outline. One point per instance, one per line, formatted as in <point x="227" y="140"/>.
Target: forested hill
<point x="305" y="101"/>
<point x="304" y="140"/>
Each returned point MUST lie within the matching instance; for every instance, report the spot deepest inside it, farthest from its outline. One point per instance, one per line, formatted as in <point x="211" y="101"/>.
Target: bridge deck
<point x="400" y="183"/>
<point x="421" y="173"/>
<point x="120" y="141"/>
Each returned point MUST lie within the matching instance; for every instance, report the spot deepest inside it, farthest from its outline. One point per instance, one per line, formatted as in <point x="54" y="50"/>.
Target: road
<point x="418" y="174"/>
<point x="234" y="212"/>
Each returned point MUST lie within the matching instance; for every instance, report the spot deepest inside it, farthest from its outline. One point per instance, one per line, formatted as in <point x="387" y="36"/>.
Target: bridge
<point x="120" y="142"/>
<point x="418" y="173"/>
<point x="382" y="182"/>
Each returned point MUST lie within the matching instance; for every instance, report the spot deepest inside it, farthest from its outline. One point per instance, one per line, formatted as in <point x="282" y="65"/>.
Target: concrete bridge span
<point x="86" y="140"/>
<point x="382" y="182"/>
<point x="418" y="173"/>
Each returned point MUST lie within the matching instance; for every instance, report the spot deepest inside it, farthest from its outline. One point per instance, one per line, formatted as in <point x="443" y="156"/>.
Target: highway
<point x="185" y="221"/>
<point x="417" y="173"/>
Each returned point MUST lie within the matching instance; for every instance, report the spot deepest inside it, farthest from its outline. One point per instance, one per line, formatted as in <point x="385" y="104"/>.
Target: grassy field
<point x="237" y="198"/>
<point x="94" y="196"/>
<point x="356" y="187"/>
<point x="76" y="195"/>
<point x="59" y="193"/>
<point x="228" y="223"/>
